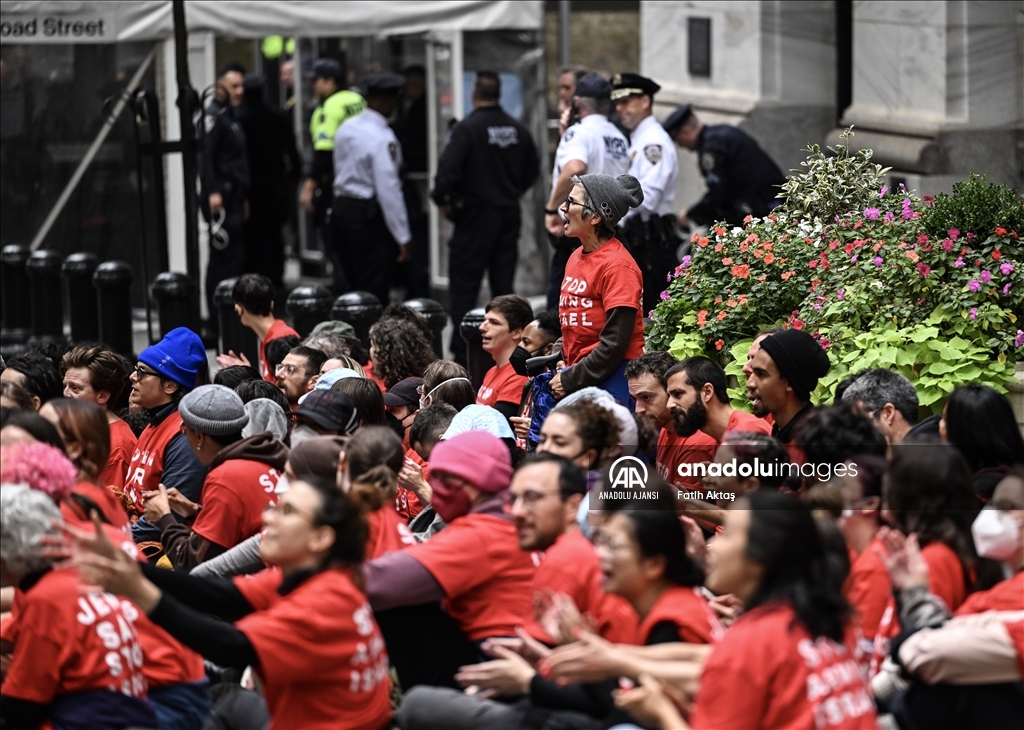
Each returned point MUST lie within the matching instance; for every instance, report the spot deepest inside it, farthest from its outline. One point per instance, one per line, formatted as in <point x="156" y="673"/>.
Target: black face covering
<point x="518" y="359"/>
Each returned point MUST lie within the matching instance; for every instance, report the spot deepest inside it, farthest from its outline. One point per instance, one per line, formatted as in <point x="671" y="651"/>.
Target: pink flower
<point x="924" y="269"/>
<point x="824" y="342"/>
<point x="872" y="213"/>
<point x="974" y="313"/>
<point x="853" y="258"/>
<point x="959" y="262"/>
<point x="923" y="238"/>
<point x="885" y="189"/>
<point x="686" y="261"/>
<point x="1006" y="268"/>
<point x="889" y="215"/>
<point x="665" y="295"/>
<point x="973" y="285"/>
<point x="947" y="245"/>
<point x="1019" y="341"/>
<point x="840" y="294"/>
<point x="1006" y="289"/>
<point x="986" y="277"/>
<point x="907" y="211"/>
<point x="40" y="466"/>
<point x="954" y="234"/>
<point x="877" y="261"/>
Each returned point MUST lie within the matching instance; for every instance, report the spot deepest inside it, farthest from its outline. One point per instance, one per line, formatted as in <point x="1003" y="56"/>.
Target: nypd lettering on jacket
<point x="595" y="142"/>
<point x="503" y="136"/>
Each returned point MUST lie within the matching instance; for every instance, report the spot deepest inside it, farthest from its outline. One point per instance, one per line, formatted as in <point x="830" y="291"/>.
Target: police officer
<point x="225" y="184"/>
<point x="336" y="105"/>
<point x="488" y="164"/>
<point x="591" y="145"/>
<point x="742" y="179"/>
<point x="369" y="225"/>
<point x="648" y="230"/>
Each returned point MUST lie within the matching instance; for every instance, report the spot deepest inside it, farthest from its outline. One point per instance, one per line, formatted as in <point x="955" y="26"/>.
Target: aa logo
<point x="628" y="472"/>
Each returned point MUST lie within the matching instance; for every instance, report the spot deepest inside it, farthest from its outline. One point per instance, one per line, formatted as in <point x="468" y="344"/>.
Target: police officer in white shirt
<point x="593" y="145"/>
<point x="649" y="230"/>
<point x="368" y="221"/>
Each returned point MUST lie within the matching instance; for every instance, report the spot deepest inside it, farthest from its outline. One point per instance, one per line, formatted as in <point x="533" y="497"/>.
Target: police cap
<point x="593" y="85"/>
<point x="677" y="119"/>
<point x="382" y="83"/>
<point x="326" y="68"/>
<point x="624" y="85"/>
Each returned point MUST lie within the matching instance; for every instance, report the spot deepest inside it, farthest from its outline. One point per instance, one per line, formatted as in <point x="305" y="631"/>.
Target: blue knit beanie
<point x="178" y="356"/>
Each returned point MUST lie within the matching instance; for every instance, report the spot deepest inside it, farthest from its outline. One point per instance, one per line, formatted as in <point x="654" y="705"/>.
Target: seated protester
<point x="275" y="352"/>
<point x="980" y="424"/>
<point x="448" y="382"/>
<point x="342" y="363"/>
<point x="253" y="389"/>
<point x="266" y="416"/>
<point x="829" y="437"/>
<point x="793" y="634"/>
<point x="538" y="340"/>
<point x="367" y="397"/>
<point x="165" y="373"/>
<point x="413" y="493"/>
<point x="234" y="375"/>
<point x="402" y="402"/>
<point x="484" y="596"/>
<point x="99" y="375"/>
<point x="241" y="482"/>
<point x="398" y="350"/>
<point x="253" y="295"/>
<point x="367" y="472"/>
<point x="888" y="398"/>
<point x="505" y="317"/>
<point x="298" y="372"/>
<point x="306" y="630"/>
<point x="330" y="376"/>
<point x="748" y="369"/>
<point x="697" y="388"/>
<point x="34" y="372"/>
<point x="324" y="413"/>
<point x="783" y="373"/>
<point x="83" y="429"/>
<point x="15" y="397"/>
<point x="61" y="672"/>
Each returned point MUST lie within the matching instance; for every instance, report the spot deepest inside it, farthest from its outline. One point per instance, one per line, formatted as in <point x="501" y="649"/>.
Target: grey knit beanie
<point x="265" y="415"/>
<point x="215" y="410"/>
<point x="613" y="196"/>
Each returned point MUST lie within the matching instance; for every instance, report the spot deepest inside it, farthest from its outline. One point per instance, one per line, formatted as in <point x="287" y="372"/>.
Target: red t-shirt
<point x="147" y="465"/>
<point x="280" y="328"/>
<point x="1007" y="595"/>
<point x="767" y="672"/>
<point x="485" y="575"/>
<point x="743" y="421"/>
<point x="110" y="506"/>
<point x="571" y="566"/>
<point x="389" y="533"/>
<point x="502" y="384"/>
<point x="260" y="589"/>
<point x="322" y="658"/>
<point x="868" y="588"/>
<point x="689" y="611"/>
<point x="674" y="450"/>
<point x="594" y="283"/>
<point x="68" y="641"/>
<point x="407" y="504"/>
<point x="122" y="446"/>
<point x="368" y="369"/>
<point x="234" y="496"/>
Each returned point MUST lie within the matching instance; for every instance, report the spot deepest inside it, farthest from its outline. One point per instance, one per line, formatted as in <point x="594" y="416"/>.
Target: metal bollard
<point x="83" y="311"/>
<point x="113" y="283"/>
<point x="309" y="305"/>
<point x="233" y="336"/>
<point x="177" y="298"/>
<point x="437" y="318"/>
<point x="479" y="361"/>
<point x="15" y="311"/>
<point x="43" y="269"/>
<point x="361" y="309"/>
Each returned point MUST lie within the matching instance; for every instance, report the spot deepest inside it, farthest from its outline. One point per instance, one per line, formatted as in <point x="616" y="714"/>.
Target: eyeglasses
<point x="569" y="202"/>
<point x="602" y="540"/>
<point x="286" y="509"/>
<point x="286" y="369"/>
<point x="141" y="372"/>
<point x="529" y="498"/>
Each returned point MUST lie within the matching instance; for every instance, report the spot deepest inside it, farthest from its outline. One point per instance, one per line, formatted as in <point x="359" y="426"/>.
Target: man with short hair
<point x="488" y="164"/>
<point x="253" y="295"/>
<point x="36" y="374"/>
<point x="698" y="400"/>
<point x="646" y="379"/>
<point x="298" y="372"/>
<point x="783" y="374"/>
<point x="505" y="317"/>
<point x="888" y="398"/>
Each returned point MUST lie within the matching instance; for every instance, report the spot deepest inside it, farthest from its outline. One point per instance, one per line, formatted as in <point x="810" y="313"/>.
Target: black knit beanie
<point x="799" y="358"/>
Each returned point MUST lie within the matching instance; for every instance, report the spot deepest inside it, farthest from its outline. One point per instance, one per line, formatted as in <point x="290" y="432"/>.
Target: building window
<point x="699" y="47"/>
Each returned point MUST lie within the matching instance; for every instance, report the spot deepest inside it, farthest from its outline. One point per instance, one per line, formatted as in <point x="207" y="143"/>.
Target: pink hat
<point x="476" y="456"/>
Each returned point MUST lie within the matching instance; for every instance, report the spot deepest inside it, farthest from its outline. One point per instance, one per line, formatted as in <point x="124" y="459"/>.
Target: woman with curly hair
<point x="398" y="350"/>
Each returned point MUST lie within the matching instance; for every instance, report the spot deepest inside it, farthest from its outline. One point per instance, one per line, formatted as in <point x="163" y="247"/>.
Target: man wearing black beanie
<point x="784" y="372"/>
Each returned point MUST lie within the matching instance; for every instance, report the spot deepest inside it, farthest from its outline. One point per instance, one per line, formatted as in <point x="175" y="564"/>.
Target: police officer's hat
<point x="593" y="85"/>
<point x="624" y="85"/>
<point x="677" y="119"/>
<point x="382" y="83"/>
<point x="326" y="68"/>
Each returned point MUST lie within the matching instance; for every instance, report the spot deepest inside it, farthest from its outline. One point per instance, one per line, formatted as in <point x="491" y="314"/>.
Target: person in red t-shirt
<point x="399" y="349"/>
<point x="253" y="295"/>
<point x="505" y="317"/>
<point x="601" y="296"/>
<point x="699" y="401"/>
<point x="312" y="641"/>
<point x="99" y="375"/>
<point x="76" y="656"/>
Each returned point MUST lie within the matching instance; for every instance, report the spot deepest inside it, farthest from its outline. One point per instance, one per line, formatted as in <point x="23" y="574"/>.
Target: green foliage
<point x="832" y="184"/>
<point x="977" y="207"/>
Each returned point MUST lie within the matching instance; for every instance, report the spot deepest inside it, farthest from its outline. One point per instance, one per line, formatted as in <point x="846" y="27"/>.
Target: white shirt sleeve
<point x="387" y="159"/>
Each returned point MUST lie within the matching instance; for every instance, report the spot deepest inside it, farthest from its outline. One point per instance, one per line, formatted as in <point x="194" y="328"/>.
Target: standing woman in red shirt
<point x="313" y="641"/>
<point x="600" y="302"/>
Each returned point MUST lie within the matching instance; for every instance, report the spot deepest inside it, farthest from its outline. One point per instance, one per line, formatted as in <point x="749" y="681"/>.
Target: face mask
<point x="518" y="360"/>
<point x="302" y="432"/>
<point x="449" y="502"/>
<point x="425" y="400"/>
<point x="996" y="534"/>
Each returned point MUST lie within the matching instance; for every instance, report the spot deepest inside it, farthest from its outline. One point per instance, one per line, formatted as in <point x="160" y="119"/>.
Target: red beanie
<point x="476" y="456"/>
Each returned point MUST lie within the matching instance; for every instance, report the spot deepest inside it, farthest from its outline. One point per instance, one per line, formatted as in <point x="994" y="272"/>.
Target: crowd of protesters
<point x="350" y="534"/>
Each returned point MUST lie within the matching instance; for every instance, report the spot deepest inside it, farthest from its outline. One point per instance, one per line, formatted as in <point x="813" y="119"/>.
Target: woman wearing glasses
<point x="600" y="299"/>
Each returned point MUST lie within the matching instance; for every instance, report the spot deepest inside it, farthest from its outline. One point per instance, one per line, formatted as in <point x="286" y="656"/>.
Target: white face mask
<point x="302" y="432"/>
<point x="996" y="534"/>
